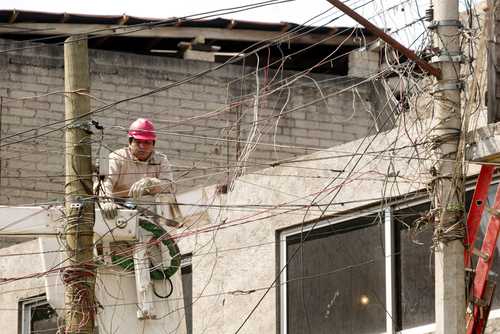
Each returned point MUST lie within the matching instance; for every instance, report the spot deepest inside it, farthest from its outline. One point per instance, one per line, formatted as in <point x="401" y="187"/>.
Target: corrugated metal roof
<point x="24" y="16"/>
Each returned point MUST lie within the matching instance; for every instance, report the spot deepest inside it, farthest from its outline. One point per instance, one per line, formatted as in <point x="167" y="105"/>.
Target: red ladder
<point x="481" y="294"/>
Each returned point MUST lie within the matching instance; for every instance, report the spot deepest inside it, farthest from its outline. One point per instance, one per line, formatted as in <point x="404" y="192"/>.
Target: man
<point x="136" y="170"/>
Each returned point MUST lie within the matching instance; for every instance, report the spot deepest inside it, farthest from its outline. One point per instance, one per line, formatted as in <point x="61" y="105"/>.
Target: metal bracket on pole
<point x="448" y="57"/>
<point x="445" y="23"/>
<point x="85" y="126"/>
<point x="457" y="85"/>
<point x="75" y="205"/>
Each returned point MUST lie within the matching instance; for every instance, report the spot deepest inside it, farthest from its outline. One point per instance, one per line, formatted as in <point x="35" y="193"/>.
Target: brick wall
<point x="199" y="147"/>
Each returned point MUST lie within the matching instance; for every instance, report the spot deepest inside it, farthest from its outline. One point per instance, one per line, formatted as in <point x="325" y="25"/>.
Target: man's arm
<point x="114" y="166"/>
<point x="109" y="208"/>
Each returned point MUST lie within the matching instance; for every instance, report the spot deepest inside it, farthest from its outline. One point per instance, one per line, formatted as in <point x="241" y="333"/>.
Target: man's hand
<point x="144" y="186"/>
<point x="109" y="210"/>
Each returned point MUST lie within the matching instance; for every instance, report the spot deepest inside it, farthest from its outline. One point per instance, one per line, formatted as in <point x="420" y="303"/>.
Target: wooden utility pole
<point x="79" y="273"/>
<point x="448" y="184"/>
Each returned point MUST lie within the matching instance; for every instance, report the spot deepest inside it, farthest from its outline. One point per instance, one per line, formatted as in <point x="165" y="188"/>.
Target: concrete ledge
<point x="484" y="144"/>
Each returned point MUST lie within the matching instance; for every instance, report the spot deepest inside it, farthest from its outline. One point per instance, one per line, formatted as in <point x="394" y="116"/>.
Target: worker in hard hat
<point x="136" y="170"/>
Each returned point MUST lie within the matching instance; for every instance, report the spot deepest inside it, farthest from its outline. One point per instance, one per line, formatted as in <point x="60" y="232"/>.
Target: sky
<point x="396" y="13"/>
<point x="294" y="11"/>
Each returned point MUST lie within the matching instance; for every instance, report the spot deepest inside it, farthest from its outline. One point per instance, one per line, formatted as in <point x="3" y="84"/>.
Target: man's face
<point x="141" y="149"/>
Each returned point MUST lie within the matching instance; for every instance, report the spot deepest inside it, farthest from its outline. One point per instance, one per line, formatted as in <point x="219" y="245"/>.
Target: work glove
<point x="109" y="210"/>
<point x="143" y="187"/>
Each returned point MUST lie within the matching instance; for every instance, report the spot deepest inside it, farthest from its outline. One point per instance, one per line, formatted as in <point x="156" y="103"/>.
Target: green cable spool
<point x="173" y="250"/>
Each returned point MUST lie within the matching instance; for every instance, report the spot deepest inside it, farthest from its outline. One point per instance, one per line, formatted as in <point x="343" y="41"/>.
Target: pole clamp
<point x="85" y="126"/>
<point x="455" y="57"/>
<point x="77" y="205"/>
<point x="445" y="23"/>
<point x="457" y="85"/>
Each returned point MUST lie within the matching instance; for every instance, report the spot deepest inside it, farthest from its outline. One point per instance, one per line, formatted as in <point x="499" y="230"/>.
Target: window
<point x="336" y="280"/>
<point x="368" y="274"/>
<point x="414" y="267"/>
<point x="37" y="316"/>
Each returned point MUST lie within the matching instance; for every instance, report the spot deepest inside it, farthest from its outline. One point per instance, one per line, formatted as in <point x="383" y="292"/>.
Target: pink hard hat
<point x="142" y="129"/>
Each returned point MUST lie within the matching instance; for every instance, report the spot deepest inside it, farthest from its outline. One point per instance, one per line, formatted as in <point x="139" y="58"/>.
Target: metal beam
<point x="244" y="35"/>
<point x="386" y="38"/>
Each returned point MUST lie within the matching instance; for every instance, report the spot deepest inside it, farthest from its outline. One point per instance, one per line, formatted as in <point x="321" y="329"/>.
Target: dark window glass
<point x="415" y="263"/>
<point x="43" y="319"/>
<point x="336" y="280"/>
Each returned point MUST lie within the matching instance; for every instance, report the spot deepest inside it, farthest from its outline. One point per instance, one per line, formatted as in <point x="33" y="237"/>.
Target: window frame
<point x="285" y="233"/>
<point x="26" y="306"/>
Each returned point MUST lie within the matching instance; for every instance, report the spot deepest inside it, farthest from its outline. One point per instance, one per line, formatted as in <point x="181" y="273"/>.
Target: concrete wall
<point x="31" y="85"/>
<point x="493" y="326"/>
<point x="363" y="63"/>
